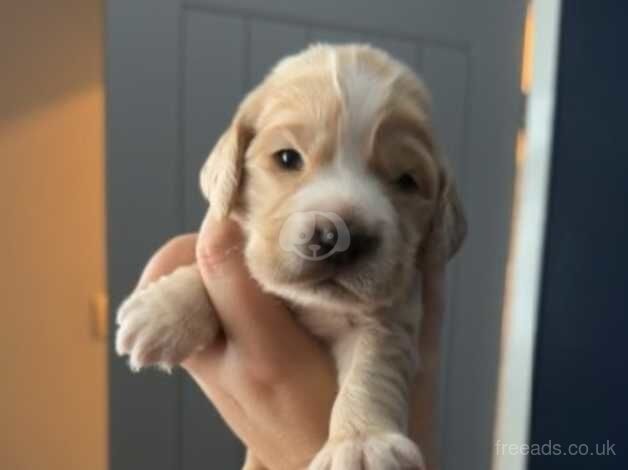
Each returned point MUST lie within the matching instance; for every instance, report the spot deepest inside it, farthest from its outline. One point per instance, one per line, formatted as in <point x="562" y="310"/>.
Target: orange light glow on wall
<point x="528" y="47"/>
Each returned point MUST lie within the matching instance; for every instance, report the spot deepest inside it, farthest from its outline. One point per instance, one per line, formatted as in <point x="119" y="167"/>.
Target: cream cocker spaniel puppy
<point x="330" y="168"/>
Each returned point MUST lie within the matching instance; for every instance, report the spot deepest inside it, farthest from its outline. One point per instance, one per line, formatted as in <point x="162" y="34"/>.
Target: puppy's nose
<point x="361" y="245"/>
<point x="326" y="239"/>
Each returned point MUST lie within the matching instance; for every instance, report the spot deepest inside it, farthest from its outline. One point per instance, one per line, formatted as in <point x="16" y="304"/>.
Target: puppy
<point x="331" y="170"/>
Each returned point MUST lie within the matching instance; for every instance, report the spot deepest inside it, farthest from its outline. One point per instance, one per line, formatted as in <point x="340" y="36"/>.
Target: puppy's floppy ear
<point x="448" y="226"/>
<point x="221" y="175"/>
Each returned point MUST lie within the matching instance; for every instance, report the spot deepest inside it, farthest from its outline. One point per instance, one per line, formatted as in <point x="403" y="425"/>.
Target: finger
<point x="251" y="318"/>
<point x="180" y="251"/>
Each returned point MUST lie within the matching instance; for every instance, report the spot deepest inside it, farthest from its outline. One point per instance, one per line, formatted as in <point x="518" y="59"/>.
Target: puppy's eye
<point x="406" y="183"/>
<point x="289" y="159"/>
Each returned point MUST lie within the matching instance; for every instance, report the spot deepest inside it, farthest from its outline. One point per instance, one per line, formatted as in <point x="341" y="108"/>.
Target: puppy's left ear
<point x="448" y="227"/>
<point x="221" y="176"/>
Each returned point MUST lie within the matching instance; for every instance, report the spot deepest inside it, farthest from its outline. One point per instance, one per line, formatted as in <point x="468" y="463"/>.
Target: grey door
<point x="176" y="70"/>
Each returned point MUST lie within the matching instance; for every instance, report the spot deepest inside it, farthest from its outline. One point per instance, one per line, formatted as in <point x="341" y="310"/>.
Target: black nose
<point x="360" y="246"/>
<point x="326" y="240"/>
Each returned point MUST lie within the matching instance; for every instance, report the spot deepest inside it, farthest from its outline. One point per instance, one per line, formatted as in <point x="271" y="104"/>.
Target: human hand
<point x="272" y="382"/>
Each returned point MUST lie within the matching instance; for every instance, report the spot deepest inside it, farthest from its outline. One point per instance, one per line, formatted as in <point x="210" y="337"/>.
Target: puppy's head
<point x="331" y="168"/>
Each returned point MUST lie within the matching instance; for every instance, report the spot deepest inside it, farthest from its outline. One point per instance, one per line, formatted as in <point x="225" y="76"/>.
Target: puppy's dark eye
<point x="289" y="159"/>
<point x="406" y="183"/>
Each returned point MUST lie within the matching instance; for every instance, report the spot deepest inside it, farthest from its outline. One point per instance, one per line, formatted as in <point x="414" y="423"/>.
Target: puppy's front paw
<point x="166" y="321"/>
<point x="387" y="451"/>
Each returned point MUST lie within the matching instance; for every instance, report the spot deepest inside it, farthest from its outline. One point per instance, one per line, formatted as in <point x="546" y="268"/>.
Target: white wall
<point x="52" y="368"/>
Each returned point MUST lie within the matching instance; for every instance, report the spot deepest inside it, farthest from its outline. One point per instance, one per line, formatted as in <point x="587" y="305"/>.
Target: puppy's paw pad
<point x="388" y="451"/>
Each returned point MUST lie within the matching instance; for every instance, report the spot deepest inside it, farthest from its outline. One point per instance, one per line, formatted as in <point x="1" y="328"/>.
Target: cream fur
<point x="359" y="119"/>
<point x="166" y="321"/>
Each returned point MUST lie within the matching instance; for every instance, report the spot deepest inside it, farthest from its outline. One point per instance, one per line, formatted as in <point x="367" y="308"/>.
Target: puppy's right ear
<point x="221" y="174"/>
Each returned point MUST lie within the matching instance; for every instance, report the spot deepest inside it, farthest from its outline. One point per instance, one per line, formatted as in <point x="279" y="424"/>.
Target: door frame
<point x="522" y="303"/>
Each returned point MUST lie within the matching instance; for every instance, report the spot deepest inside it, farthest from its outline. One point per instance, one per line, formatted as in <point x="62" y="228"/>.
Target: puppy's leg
<point x="166" y="321"/>
<point x="251" y="463"/>
<point x="369" y="420"/>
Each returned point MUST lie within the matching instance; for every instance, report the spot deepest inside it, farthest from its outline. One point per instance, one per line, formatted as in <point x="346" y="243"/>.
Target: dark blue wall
<point x="581" y="376"/>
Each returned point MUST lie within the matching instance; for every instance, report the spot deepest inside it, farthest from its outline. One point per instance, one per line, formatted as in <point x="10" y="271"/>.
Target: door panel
<point x="446" y="73"/>
<point x="144" y="208"/>
<point x="403" y="49"/>
<point x="269" y="42"/>
<point x="177" y="73"/>
<point x="336" y="36"/>
<point x="214" y="80"/>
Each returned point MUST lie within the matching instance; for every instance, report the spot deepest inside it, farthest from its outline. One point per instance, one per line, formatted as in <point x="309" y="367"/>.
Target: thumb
<point x="251" y="318"/>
